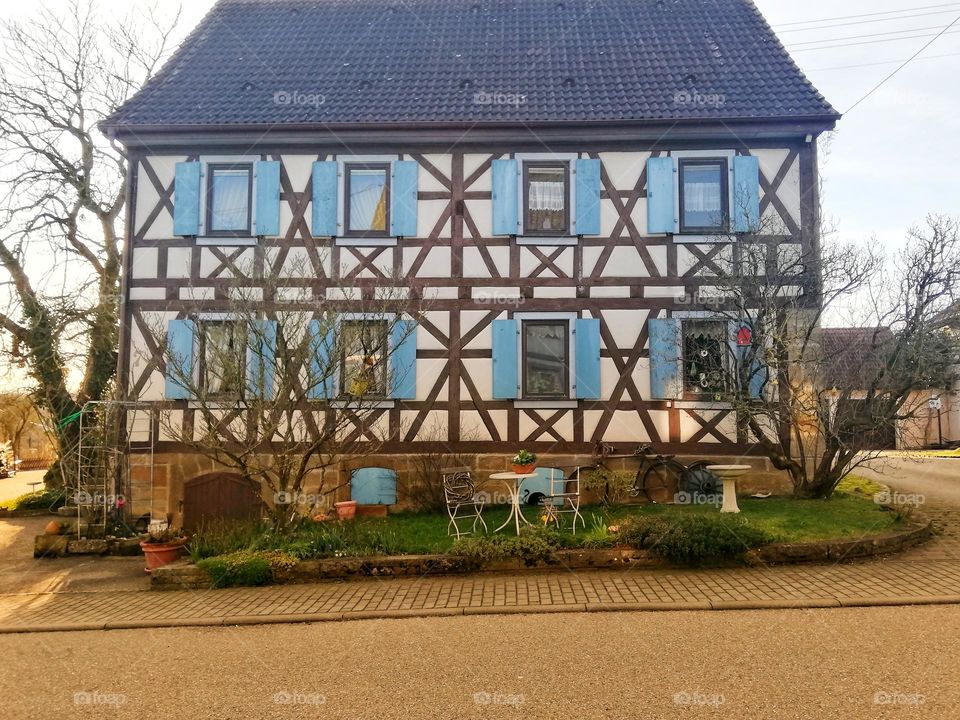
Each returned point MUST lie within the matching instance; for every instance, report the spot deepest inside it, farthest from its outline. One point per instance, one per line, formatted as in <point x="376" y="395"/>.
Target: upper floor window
<point x="545" y="359"/>
<point x="229" y="189"/>
<point x="367" y="199"/>
<point x="546" y="198"/>
<point x="363" y="360"/>
<point x="223" y="354"/>
<point x="705" y="356"/>
<point x="703" y="195"/>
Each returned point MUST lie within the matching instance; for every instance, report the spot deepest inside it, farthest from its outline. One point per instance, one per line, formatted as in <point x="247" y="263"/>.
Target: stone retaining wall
<point x="185" y="575"/>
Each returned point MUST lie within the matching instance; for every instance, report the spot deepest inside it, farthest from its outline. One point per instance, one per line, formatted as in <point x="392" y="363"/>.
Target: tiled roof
<point x="420" y="61"/>
<point x="851" y="356"/>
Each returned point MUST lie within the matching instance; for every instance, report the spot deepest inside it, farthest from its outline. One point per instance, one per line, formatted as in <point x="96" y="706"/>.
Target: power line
<point x="872" y="42"/>
<point x="863" y="15"/>
<point x="864" y="22"/>
<point x="868" y="35"/>
<point x="901" y="67"/>
<point x="874" y="64"/>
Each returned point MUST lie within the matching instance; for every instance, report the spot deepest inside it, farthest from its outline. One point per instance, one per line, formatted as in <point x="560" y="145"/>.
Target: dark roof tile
<point x="419" y="61"/>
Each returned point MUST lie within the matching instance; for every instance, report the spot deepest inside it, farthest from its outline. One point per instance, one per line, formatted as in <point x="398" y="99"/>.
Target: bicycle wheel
<point x="660" y="482"/>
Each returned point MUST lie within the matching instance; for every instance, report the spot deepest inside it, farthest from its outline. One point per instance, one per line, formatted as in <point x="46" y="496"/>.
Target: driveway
<point x="20" y="573"/>
<point x="938" y="479"/>
<point x="19" y="484"/>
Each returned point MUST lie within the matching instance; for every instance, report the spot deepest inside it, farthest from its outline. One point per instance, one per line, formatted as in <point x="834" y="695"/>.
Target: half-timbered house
<point x="557" y="179"/>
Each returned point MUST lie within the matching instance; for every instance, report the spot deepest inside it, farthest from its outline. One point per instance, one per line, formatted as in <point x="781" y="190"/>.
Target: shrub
<point x="693" y="540"/>
<point x="613" y="486"/>
<point x="39" y="500"/>
<point x="531" y="545"/>
<point x="246" y="568"/>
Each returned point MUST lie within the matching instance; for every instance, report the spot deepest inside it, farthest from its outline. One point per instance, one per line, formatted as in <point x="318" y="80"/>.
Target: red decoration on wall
<point x="744" y="336"/>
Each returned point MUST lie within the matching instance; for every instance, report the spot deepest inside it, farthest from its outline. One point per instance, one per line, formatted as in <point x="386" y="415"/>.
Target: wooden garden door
<point x="218" y="496"/>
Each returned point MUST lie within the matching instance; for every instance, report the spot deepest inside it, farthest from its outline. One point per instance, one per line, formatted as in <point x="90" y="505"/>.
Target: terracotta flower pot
<point x="160" y="554"/>
<point x="346" y="510"/>
<point x="524" y="469"/>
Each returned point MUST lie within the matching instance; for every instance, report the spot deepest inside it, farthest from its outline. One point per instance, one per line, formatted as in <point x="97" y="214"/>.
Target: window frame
<point x="690" y="394"/>
<point x="201" y="360"/>
<point x="348" y="166"/>
<point x="724" y="227"/>
<point x="211" y="169"/>
<point x="342" y="393"/>
<point x="567" y="230"/>
<point x="569" y="358"/>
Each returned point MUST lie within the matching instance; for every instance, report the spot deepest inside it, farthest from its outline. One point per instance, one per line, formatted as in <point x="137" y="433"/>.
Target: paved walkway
<point x="929" y="574"/>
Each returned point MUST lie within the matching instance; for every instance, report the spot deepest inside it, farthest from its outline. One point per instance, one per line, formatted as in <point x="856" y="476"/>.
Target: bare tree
<point x="805" y="402"/>
<point x="62" y="196"/>
<point x="281" y="391"/>
<point x="17" y="412"/>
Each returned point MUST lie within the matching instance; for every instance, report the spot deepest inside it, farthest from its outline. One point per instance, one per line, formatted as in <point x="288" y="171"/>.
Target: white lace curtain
<point x="546" y="196"/>
<point x="701" y="197"/>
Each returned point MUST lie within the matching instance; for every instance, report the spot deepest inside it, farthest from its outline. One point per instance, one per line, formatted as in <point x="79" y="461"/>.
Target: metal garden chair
<point x="463" y="502"/>
<point x="563" y="497"/>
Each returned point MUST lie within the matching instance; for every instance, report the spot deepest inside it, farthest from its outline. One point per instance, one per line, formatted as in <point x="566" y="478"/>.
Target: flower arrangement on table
<point x="524" y="462"/>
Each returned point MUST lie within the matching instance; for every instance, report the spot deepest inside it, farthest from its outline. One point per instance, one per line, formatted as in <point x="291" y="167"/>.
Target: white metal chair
<point x="462" y="500"/>
<point x="564" y="497"/>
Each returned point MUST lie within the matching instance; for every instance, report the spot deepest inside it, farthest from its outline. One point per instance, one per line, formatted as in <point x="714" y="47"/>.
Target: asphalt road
<point x="850" y="664"/>
<point x="937" y="479"/>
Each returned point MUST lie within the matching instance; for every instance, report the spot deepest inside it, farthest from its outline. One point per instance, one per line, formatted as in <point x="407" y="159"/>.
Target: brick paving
<point x="927" y="574"/>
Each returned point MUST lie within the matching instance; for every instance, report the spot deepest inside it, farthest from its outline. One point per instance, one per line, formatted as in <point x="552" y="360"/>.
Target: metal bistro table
<point x="513" y="482"/>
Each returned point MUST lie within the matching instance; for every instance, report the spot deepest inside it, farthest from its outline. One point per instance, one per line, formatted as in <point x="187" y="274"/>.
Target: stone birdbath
<point x="729" y="475"/>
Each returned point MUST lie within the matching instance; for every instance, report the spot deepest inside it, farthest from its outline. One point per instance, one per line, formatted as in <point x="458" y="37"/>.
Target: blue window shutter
<point x="505" y="213"/>
<point x="660" y="192"/>
<point x="186" y="199"/>
<point x="261" y="354"/>
<point x="505" y="385"/>
<point x="179" y="359"/>
<point x="268" y="197"/>
<point x="403" y="197"/>
<point x="666" y="359"/>
<point x="325" y="184"/>
<point x="746" y="194"/>
<point x="373" y="486"/>
<point x="587" y="335"/>
<point x="588" y="197"/>
<point x="323" y="371"/>
<point x="403" y="360"/>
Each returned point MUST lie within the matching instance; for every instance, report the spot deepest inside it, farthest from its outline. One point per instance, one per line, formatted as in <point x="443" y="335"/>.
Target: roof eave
<point x="644" y="129"/>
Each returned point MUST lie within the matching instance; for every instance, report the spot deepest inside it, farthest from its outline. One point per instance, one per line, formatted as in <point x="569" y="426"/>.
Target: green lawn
<point x="788" y="520"/>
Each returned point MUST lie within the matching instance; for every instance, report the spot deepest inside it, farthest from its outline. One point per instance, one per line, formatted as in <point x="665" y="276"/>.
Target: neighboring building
<point x="853" y="355"/>
<point x="578" y="170"/>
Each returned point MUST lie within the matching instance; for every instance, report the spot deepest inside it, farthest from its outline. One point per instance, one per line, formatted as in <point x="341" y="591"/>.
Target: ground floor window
<point x="223" y="358"/>
<point x="705" y="357"/>
<point x="545" y="359"/>
<point x="364" y="352"/>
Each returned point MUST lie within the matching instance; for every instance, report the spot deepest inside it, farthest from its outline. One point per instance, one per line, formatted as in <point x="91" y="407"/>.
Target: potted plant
<point x="162" y="547"/>
<point x="524" y="462"/>
<point x="346" y="510"/>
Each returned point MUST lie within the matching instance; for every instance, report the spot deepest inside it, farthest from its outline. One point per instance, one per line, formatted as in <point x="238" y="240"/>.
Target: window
<point x="703" y="195"/>
<point x="545" y="359"/>
<point x="223" y="359"/>
<point x="546" y="195"/>
<point x="367" y="199"/>
<point x="363" y="358"/>
<point x="705" y="356"/>
<point x="229" y="188"/>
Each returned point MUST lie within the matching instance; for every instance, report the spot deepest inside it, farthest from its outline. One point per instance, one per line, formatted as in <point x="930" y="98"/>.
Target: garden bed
<point x="767" y="531"/>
